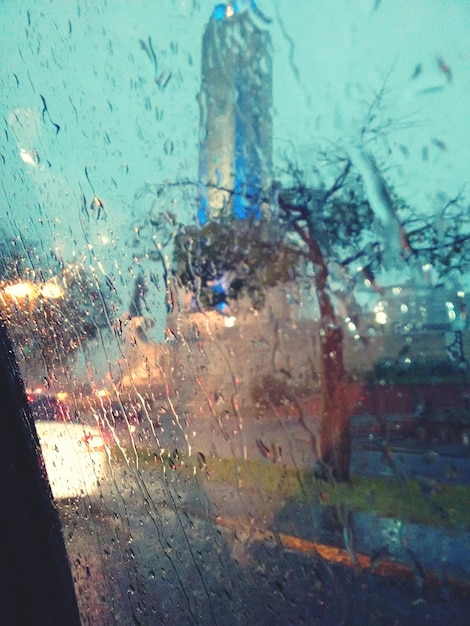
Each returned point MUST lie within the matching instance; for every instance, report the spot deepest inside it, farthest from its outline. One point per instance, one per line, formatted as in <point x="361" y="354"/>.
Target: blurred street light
<point x="28" y="291"/>
<point x="21" y="291"/>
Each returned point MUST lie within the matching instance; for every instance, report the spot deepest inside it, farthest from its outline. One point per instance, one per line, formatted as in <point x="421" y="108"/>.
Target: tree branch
<point x="339" y="182"/>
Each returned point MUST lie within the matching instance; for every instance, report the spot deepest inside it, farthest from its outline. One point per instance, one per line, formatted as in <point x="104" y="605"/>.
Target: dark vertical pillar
<point x="36" y="585"/>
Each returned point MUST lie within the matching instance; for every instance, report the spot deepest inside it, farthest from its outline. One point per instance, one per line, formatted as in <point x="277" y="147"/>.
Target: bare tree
<point x="358" y="223"/>
<point x="353" y="230"/>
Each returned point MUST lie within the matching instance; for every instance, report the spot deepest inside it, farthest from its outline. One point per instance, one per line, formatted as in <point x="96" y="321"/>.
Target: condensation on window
<point x="233" y="263"/>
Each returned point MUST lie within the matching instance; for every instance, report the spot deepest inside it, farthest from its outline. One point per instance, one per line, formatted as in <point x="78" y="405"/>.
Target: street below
<point x="170" y="547"/>
<point x="159" y="550"/>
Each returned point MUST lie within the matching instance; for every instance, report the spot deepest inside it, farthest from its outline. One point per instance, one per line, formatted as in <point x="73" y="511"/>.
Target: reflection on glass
<point x="237" y="263"/>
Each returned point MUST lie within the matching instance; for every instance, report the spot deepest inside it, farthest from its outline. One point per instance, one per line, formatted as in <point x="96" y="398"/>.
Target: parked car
<point x="111" y="410"/>
<point x="74" y="453"/>
<point x="47" y="407"/>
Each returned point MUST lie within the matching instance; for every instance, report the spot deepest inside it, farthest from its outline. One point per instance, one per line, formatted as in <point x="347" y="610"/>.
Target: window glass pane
<point x="234" y="254"/>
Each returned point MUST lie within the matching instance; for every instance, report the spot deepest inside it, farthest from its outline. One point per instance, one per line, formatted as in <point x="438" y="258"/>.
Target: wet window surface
<point x="234" y="263"/>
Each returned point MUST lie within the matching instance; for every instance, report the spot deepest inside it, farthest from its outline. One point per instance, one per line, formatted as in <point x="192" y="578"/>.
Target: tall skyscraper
<point x="235" y="101"/>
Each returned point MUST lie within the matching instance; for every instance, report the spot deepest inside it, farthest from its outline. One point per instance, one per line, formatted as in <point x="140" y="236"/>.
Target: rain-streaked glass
<point x="234" y="254"/>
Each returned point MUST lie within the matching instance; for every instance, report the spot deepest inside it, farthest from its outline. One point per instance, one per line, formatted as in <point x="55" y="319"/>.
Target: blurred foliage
<point x="268" y="252"/>
<point x="273" y="391"/>
<point x="256" y="253"/>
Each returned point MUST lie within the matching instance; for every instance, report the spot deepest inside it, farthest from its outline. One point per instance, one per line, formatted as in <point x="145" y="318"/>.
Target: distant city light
<point x="51" y="291"/>
<point x="381" y="317"/>
<point x="451" y="311"/>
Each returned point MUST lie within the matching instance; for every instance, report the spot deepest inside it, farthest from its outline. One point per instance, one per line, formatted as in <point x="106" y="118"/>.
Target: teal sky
<point x="130" y="123"/>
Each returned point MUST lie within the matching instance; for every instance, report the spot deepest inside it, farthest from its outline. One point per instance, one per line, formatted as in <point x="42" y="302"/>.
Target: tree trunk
<point x="335" y="436"/>
<point x="335" y="432"/>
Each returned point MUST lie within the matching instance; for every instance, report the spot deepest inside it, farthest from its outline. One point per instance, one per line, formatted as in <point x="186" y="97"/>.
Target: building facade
<point x="235" y="114"/>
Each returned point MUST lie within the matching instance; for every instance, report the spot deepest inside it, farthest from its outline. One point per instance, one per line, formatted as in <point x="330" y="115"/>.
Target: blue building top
<point x="226" y="11"/>
<point x="219" y="12"/>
